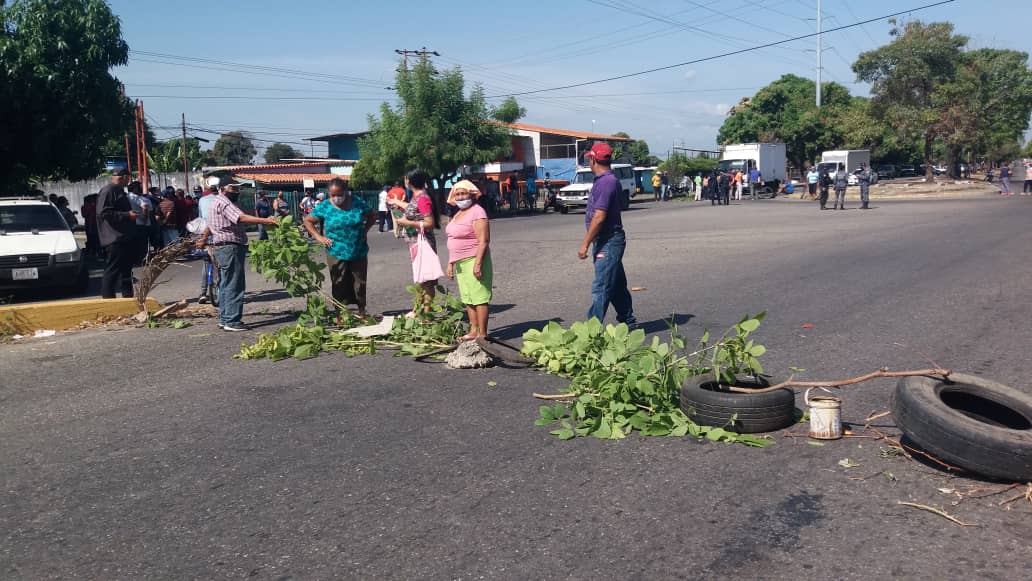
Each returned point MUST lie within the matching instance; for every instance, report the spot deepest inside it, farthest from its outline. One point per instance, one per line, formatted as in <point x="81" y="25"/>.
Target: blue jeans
<point x="262" y="233"/>
<point x="610" y="284"/>
<point x="231" y="259"/>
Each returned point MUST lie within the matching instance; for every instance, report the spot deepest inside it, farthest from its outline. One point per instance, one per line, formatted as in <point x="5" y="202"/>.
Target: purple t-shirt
<point x="605" y="196"/>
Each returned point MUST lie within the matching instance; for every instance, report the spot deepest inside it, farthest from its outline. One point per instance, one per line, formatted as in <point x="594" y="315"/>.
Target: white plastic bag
<point x="426" y="266"/>
<point x="196" y="226"/>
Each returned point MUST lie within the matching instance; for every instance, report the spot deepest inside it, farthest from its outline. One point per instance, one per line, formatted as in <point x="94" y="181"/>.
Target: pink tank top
<point x="462" y="240"/>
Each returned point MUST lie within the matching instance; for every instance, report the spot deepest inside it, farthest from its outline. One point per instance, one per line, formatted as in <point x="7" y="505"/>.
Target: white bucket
<point x="825" y="416"/>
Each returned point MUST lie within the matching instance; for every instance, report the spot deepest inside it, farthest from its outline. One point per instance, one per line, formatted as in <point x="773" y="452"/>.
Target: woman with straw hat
<point x="469" y="256"/>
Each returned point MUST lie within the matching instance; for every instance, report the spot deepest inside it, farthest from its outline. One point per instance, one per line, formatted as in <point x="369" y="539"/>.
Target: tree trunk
<point x="440" y="192"/>
<point x="929" y="138"/>
<point x="953" y="163"/>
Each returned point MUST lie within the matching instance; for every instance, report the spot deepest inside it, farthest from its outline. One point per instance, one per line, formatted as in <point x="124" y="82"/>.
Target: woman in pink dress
<point x="469" y="256"/>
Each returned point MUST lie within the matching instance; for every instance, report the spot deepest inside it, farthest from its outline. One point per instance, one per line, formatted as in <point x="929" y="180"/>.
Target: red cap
<point x="600" y="151"/>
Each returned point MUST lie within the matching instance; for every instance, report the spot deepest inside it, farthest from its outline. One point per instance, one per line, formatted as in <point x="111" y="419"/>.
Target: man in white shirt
<point x="307" y="204"/>
<point x="385" y="222"/>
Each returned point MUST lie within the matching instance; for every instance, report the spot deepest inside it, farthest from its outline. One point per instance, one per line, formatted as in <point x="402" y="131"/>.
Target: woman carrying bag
<point x="469" y="258"/>
<point x="421" y="217"/>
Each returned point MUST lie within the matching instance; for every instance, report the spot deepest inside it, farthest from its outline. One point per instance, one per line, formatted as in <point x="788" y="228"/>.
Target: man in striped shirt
<point x="226" y="225"/>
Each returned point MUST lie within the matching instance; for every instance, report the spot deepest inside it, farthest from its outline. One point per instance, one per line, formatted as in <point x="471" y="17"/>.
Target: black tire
<point x="754" y="413"/>
<point x="625" y="201"/>
<point x="564" y="209"/>
<point x="971" y="422"/>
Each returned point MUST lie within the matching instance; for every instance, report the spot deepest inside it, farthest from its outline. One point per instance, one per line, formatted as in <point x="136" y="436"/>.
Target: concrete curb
<point x="62" y="315"/>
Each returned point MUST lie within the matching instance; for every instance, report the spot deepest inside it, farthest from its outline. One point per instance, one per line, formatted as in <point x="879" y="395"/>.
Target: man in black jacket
<point x="116" y="222"/>
<point x="824" y="181"/>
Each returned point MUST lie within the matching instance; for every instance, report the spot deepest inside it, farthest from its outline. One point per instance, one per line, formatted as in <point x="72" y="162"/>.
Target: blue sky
<point x="342" y="57"/>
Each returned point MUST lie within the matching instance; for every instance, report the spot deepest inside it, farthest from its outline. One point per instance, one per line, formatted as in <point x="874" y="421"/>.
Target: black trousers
<point x="824" y="196"/>
<point x="118" y="272"/>
<point x="386" y="224"/>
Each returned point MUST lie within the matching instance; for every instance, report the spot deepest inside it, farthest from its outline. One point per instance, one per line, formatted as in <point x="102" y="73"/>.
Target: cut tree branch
<point x="883" y="372"/>
<point x="934" y="510"/>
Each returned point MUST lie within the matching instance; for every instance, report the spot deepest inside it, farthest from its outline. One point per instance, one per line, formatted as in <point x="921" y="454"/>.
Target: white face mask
<point x="337" y="200"/>
<point x="463" y="204"/>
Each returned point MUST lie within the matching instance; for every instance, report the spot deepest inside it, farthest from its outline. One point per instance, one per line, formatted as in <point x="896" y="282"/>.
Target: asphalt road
<point x="152" y="454"/>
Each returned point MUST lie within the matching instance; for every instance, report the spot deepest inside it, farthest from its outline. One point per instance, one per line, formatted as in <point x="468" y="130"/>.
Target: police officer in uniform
<point x="841" y="181"/>
<point x="825" y="182"/>
<point x="865" y="186"/>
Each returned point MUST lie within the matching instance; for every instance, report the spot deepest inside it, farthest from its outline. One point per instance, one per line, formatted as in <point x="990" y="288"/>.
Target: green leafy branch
<point x="435" y="329"/>
<point x="620" y="383"/>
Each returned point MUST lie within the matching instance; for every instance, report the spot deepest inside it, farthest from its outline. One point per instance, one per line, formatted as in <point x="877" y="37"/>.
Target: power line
<point x="248" y="72"/>
<point x="239" y="88"/>
<point x="723" y="55"/>
<point x="291" y="71"/>
<point x="257" y="98"/>
<point x="610" y="43"/>
<point x="864" y="29"/>
<point x="725" y="37"/>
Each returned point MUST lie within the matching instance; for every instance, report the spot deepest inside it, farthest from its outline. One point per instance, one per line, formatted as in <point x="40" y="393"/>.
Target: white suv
<point x="37" y="248"/>
<point x="575" y="195"/>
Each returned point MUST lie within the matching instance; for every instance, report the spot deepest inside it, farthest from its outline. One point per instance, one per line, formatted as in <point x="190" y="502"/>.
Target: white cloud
<point x="690" y="74"/>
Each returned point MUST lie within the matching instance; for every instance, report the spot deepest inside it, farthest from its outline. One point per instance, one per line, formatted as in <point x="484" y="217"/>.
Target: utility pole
<point x="139" y="131"/>
<point x="404" y="52"/>
<point x="186" y="166"/>
<point x="128" y="160"/>
<point x="423" y="53"/>
<point x="820" y="51"/>
<point x="142" y="144"/>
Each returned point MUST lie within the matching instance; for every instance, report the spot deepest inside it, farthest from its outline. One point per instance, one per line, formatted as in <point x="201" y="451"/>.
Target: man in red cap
<point x="605" y="230"/>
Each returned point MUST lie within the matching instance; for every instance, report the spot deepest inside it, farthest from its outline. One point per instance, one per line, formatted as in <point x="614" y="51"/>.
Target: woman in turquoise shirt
<point x="345" y="222"/>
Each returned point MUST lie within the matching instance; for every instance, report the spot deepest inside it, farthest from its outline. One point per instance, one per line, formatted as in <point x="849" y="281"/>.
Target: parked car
<point x="854" y="178"/>
<point x="575" y="195"/>
<point x="887" y="171"/>
<point x="37" y="248"/>
<point x="907" y="171"/>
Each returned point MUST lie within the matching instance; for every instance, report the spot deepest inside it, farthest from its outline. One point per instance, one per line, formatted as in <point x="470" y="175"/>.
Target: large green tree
<point x="862" y="129"/>
<point x="908" y="76"/>
<point x="115" y="145"/>
<point x="984" y="111"/>
<point x="434" y="127"/>
<point x="277" y="151"/>
<point x="167" y="157"/>
<point x="679" y="165"/>
<point x="785" y="111"/>
<point x="59" y="103"/>
<point x="234" y="148"/>
<point x="633" y="152"/>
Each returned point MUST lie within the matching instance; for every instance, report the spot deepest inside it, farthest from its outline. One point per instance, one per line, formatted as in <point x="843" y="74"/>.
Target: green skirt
<point x="472" y="290"/>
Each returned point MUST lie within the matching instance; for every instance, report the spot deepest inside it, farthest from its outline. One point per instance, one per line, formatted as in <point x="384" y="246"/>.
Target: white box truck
<point x="769" y="158"/>
<point x="832" y="161"/>
<point x="851" y="159"/>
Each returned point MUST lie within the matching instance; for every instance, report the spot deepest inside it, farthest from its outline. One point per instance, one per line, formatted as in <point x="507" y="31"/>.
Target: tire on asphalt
<point x="971" y="422"/>
<point x="754" y="413"/>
